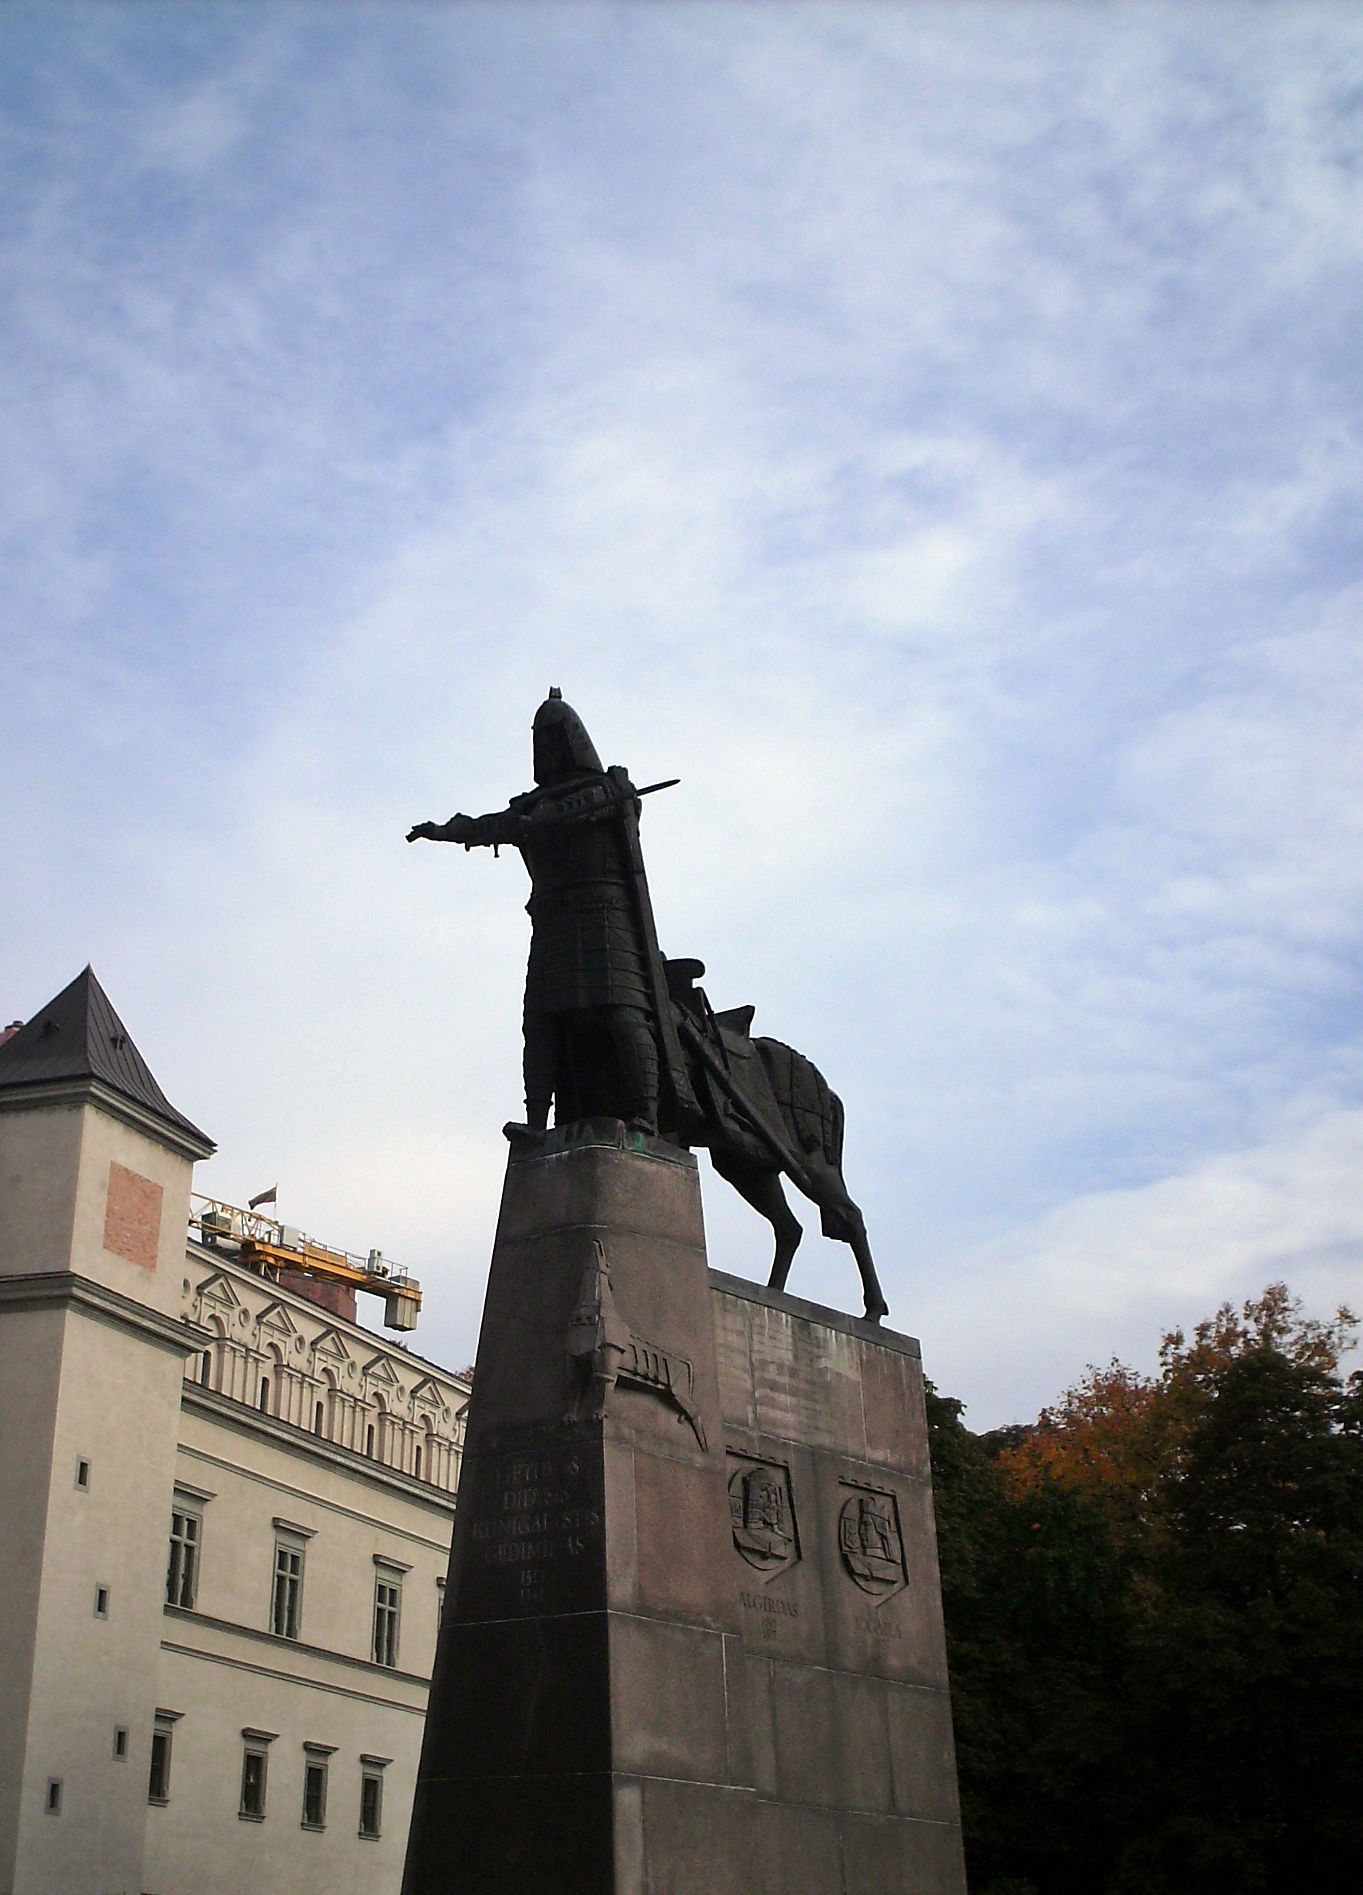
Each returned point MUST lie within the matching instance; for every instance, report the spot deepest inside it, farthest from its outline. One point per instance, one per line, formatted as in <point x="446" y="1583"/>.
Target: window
<point x="314" y="1794"/>
<point x="387" y="1610"/>
<point x="264" y="1400"/>
<point x="158" y="1779"/>
<point x="369" y="1440"/>
<point x="182" y="1571"/>
<point x="206" y="1368"/>
<point x="253" y="1768"/>
<point x="371" y="1796"/>
<point x="319" y="1417"/>
<point x="255" y="1758"/>
<point x="101" y="1602"/>
<point x="315" y="1784"/>
<point x="158" y="1783"/>
<point x="83" y="1475"/>
<point x="286" y="1601"/>
<point x="416" y="1463"/>
<point x="53" y="1803"/>
<point x="121" y="1743"/>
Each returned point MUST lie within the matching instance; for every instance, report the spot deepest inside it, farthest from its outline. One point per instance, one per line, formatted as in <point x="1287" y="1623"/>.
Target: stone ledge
<point x="600" y="1134"/>
<point x="189" y="1616"/>
<point x="816" y="1313"/>
<point x="68" y="1287"/>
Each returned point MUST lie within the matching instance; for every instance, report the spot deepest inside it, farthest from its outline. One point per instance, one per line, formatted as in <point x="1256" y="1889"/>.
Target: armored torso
<point x="585" y="948"/>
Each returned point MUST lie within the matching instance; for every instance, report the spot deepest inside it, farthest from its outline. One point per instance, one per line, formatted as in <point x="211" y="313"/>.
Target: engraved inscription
<point x="535" y="1518"/>
<point x="773" y="1613"/>
<point x="762" y="1514"/>
<point x="881" y="1627"/>
<point x="764" y="1602"/>
<point x="870" y="1541"/>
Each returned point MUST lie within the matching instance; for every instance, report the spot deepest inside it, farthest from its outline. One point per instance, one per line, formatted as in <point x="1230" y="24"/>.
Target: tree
<point x="1153" y="1612"/>
<point x="1246" y="1680"/>
<point x="1032" y="1593"/>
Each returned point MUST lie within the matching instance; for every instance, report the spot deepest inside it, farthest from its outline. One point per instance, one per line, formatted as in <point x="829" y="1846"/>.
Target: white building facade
<point x="227" y="1515"/>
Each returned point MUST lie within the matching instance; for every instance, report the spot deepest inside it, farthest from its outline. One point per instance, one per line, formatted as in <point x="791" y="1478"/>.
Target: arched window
<point x="274" y="1387"/>
<point x="206" y="1369"/>
<point x="333" y="1422"/>
<point x="319" y="1418"/>
<point x="416" y="1460"/>
<point x="369" y="1440"/>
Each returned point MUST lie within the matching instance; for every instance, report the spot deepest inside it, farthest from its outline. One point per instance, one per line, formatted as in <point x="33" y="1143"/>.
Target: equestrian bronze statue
<point x="613" y="1030"/>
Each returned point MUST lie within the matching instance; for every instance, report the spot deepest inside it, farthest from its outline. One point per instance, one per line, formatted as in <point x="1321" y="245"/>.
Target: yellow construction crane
<point x="269" y="1248"/>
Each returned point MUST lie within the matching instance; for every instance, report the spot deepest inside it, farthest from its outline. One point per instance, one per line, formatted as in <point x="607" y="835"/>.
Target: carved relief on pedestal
<point x="665" y="1373"/>
<point x="762" y="1511"/>
<point x="870" y="1541"/>
<point x="602" y="1351"/>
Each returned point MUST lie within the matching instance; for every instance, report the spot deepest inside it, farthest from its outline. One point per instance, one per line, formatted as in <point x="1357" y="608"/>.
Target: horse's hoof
<point x="874" y="1311"/>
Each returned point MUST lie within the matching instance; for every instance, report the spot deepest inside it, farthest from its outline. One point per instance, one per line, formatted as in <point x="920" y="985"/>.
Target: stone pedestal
<point x="695" y="1647"/>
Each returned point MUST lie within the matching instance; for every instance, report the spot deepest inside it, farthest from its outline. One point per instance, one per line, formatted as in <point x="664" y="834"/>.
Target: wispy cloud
<point x="933" y="433"/>
<point x="1109" y="1272"/>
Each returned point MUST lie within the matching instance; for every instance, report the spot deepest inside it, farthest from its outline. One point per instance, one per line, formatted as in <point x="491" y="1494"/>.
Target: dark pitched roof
<point x="79" y="1036"/>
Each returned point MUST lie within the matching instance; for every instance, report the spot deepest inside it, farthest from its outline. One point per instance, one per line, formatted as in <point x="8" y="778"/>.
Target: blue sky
<point x="933" y="433"/>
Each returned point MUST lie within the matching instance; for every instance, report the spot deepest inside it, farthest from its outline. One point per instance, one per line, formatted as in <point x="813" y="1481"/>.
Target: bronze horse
<point x="613" y="1030"/>
<point x="768" y="1112"/>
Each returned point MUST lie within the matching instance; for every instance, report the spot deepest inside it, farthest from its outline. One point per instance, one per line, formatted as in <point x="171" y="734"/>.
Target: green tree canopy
<point x="1154" y="1601"/>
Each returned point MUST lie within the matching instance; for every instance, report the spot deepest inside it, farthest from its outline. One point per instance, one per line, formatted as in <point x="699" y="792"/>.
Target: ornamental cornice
<point x="67" y="1289"/>
<point x="34" y="1094"/>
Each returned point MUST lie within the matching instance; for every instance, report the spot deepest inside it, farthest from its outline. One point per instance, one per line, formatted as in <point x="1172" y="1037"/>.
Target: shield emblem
<point x="871" y="1543"/>
<point x="762" y="1512"/>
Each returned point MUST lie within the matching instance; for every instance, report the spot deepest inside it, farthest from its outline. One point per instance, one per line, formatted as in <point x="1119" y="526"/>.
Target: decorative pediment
<point x="217" y="1290"/>
<point x="427" y="1394"/>
<point x="330" y="1347"/>
<point x="380" y="1370"/>
<point x="275" y="1320"/>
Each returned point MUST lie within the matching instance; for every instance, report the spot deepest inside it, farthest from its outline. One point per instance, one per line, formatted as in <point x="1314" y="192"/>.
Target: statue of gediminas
<point x="614" y="1031"/>
<point x="599" y="1037"/>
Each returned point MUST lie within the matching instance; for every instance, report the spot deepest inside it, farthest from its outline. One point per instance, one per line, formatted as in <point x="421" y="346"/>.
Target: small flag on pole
<point x="266" y="1197"/>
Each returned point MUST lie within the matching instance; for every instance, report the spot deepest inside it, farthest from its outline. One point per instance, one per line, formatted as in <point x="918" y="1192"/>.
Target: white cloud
<point x="1118" y="1268"/>
<point x="925" y="431"/>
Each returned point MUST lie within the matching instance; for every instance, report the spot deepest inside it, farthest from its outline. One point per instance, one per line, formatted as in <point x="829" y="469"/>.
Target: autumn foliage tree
<point x="1154" y="1602"/>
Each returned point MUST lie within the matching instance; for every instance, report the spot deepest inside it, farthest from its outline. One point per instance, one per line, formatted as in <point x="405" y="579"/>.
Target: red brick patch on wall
<point x="132" y="1217"/>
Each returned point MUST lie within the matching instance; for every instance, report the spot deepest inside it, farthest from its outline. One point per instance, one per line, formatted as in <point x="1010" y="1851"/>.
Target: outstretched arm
<point x="450" y="831"/>
<point x="472" y="831"/>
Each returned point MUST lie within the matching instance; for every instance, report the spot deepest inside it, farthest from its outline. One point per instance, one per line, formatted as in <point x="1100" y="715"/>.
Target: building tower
<point x="95" y="1174"/>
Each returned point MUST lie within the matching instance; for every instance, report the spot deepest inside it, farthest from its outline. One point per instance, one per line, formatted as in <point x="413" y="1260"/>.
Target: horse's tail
<point x="809" y="1105"/>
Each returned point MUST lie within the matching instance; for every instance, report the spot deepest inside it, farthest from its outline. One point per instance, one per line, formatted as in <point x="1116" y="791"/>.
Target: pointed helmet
<point x="562" y="746"/>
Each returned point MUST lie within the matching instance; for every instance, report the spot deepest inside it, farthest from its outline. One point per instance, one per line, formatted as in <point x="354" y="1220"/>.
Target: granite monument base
<point x="692" y="1640"/>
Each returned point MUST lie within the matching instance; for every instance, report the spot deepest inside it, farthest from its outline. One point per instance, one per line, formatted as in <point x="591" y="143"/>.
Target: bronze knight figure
<point x="594" y="990"/>
<point x="612" y="1030"/>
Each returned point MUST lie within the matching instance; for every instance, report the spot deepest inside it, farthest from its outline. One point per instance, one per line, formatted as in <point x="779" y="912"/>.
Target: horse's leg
<point x="876" y="1306"/>
<point x="843" y="1219"/>
<point x="762" y="1189"/>
<point x="852" y="1229"/>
